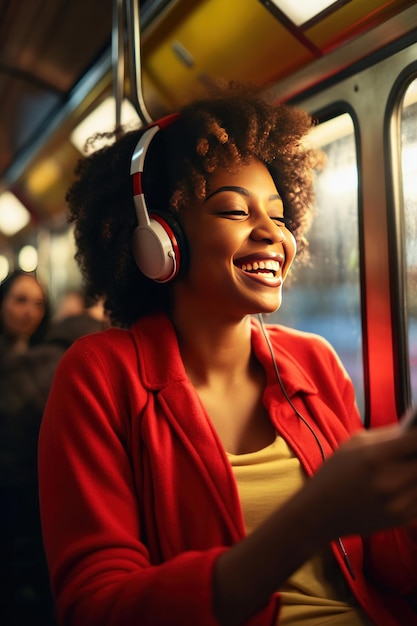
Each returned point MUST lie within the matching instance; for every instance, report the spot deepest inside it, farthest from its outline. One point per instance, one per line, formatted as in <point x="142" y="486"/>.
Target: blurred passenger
<point x="24" y="321"/>
<point x="26" y="373"/>
<point x="72" y="302"/>
<point x="24" y="312"/>
<point x="26" y="377"/>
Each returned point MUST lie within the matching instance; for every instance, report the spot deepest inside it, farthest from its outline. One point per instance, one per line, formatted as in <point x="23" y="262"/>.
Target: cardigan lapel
<point x="176" y="401"/>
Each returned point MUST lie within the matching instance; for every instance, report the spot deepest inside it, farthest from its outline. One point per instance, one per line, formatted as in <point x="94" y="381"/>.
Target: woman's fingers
<point x="369" y="483"/>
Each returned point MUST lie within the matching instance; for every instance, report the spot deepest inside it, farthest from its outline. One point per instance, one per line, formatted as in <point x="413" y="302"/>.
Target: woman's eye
<point x="285" y="221"/>
<point x="234" y="213"/>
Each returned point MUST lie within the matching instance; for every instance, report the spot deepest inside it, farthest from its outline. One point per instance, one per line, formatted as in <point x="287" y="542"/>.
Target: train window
<point x="324" y="296"/>
<point x="409" y="175"/>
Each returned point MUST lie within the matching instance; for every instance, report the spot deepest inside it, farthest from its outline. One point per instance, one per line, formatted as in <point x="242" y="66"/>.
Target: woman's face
<point x="240" y="249"/>
<point x="23" y="308"/>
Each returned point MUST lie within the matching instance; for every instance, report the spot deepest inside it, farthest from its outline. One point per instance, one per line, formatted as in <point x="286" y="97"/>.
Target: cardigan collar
<point x="161" y="364"/>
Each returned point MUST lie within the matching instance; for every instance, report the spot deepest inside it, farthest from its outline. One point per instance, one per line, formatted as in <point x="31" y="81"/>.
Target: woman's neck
<point x="213" y="349"/>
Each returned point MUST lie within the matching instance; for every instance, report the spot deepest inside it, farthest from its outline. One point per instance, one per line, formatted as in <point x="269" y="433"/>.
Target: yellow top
<point x="316" y="594"/>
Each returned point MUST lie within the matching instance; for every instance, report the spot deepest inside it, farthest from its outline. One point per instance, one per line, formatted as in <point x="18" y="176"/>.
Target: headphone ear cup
<point x="177" y="236"/>
<point x="160" y="248"/>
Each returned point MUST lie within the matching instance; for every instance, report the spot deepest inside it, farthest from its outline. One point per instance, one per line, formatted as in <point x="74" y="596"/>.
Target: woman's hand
<point x="370" y="483"/>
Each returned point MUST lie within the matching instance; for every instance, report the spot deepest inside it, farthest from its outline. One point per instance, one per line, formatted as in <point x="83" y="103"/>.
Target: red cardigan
<point x="138" y="498"/>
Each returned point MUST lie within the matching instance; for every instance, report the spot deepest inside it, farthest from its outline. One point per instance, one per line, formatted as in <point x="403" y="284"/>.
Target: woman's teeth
<point x="270" y="265"/>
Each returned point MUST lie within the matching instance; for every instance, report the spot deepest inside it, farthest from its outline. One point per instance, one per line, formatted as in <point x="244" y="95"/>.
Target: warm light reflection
<point x="4" y="267"/>
<point x="343" y="178"/>
<point x="341" y="181"/>
<point x="44" y="176"/>
<point x="302" y="11"/>
<point x="328" y="132"/>
<point x="409" y="173"/>
<point x="28" y="258"/>
<point x="101" y="120"/>
<point x="13" y="214"/>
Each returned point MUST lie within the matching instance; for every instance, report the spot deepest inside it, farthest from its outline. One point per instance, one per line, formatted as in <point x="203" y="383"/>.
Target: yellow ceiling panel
<point x="351" y="19"/>
<point x="233" y="40"/>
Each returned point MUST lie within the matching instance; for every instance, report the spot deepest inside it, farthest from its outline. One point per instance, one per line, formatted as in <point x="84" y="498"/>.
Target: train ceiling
<point x="56" y="66"/>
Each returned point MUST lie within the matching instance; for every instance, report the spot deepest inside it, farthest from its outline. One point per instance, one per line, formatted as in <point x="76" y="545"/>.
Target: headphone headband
<point x="138" y="161"/>
<point x="142" y="146"/>
<point x="157" y="238"/>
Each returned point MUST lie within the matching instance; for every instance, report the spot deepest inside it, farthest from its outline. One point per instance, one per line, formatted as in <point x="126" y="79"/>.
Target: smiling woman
<point x="178" y="173"/>
<point x="206" y="469"/>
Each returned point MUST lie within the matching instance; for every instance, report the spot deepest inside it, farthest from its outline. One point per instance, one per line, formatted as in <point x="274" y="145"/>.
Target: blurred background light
<point x="13" y="214"/>
<point x="302" y="11"/>
<point x="28" y="258"/>
<point x="4" y="267"/>
<point x="102" y="120"/>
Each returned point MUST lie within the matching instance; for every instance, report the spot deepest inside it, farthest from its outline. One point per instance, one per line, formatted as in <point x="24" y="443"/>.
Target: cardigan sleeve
<point x="101" y="571"/>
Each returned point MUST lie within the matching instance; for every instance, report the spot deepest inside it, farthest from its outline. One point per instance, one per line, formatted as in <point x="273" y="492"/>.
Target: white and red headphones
<point x="159" y="244"/>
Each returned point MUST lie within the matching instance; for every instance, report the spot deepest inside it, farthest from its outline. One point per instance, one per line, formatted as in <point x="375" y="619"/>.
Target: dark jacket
<point x="25" y="380"/>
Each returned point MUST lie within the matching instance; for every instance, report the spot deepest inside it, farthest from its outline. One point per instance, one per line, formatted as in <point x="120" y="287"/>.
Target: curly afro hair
<point x="229" y="129"/>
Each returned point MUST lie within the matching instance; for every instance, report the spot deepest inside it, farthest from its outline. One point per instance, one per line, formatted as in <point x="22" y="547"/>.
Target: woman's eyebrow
<point x="241" y="190"/>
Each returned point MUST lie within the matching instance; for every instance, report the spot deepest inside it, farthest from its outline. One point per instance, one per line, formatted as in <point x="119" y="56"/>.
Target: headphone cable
<point x="305" y="422"/>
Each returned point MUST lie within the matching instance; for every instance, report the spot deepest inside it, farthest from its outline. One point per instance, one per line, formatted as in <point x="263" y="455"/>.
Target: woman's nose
<point x="269" y="230"/>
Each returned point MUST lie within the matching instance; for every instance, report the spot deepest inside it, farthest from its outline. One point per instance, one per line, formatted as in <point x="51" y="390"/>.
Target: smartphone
<point x="409" y="419"/>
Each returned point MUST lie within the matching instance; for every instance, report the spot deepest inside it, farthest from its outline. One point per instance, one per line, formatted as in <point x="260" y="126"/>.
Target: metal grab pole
<point x="134" y="49"/>
<point x="118" y="57"/>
